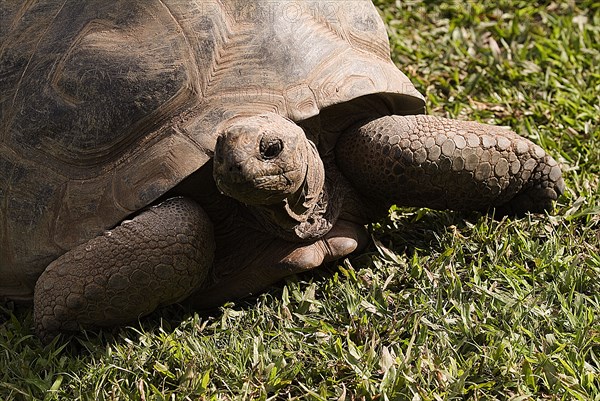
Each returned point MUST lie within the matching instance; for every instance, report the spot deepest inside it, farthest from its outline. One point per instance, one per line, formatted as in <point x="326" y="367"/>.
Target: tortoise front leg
<point x="157" y="258"/>
<point x="434" y="162"/>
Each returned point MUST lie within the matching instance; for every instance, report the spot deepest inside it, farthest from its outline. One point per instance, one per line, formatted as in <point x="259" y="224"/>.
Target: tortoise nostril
<point x="270" y="148"/>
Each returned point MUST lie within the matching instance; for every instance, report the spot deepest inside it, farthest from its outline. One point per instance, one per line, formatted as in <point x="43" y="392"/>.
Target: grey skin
<point x="154" y="152"/>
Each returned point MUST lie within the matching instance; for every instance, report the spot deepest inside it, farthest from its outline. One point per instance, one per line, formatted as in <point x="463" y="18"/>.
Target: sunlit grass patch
<point x="442" y="305"/>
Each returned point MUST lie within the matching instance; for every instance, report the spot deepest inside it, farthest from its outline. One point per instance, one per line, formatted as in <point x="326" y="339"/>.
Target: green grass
<point x="440" y="307"/>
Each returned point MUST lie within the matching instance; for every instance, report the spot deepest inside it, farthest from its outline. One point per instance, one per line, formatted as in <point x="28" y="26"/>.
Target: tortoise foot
<point x="236" y="275"/>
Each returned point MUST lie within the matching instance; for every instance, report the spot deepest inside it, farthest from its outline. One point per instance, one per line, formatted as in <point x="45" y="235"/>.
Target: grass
<point x="443" y="305"/>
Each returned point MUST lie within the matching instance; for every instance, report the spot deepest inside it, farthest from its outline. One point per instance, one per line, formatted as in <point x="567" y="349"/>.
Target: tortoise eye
<point x="270" y="148"/>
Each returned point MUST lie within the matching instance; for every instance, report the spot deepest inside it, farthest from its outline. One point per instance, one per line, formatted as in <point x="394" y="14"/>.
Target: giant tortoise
<point x="153" y="151"/>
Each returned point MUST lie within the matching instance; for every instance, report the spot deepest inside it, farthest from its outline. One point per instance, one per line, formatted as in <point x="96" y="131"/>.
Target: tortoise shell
<point x="105" y="106"/>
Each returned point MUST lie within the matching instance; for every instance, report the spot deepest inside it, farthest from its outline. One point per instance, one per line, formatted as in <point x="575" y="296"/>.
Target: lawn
<point x="442" y="305"/>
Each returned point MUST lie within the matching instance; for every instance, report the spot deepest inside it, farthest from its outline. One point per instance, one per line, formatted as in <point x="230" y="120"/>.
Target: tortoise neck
<point x="310" y="212"/>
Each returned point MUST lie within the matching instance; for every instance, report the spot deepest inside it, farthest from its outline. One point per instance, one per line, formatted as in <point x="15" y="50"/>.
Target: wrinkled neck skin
<point x="309" y="213"/>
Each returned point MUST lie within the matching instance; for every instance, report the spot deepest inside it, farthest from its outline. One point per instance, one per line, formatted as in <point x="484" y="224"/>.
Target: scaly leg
<point x="159" y="257"/>
<point x="434" y="162"/>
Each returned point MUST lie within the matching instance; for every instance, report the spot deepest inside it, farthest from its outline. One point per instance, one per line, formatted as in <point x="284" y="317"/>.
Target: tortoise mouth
<point x="259" y="190"/>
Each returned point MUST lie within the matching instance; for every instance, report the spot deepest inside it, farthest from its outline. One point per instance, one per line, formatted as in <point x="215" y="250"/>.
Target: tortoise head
<point x="267" y="163"/>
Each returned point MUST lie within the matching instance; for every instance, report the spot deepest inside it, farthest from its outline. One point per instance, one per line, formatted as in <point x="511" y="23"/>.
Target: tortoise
<point x="156" y="151"/>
